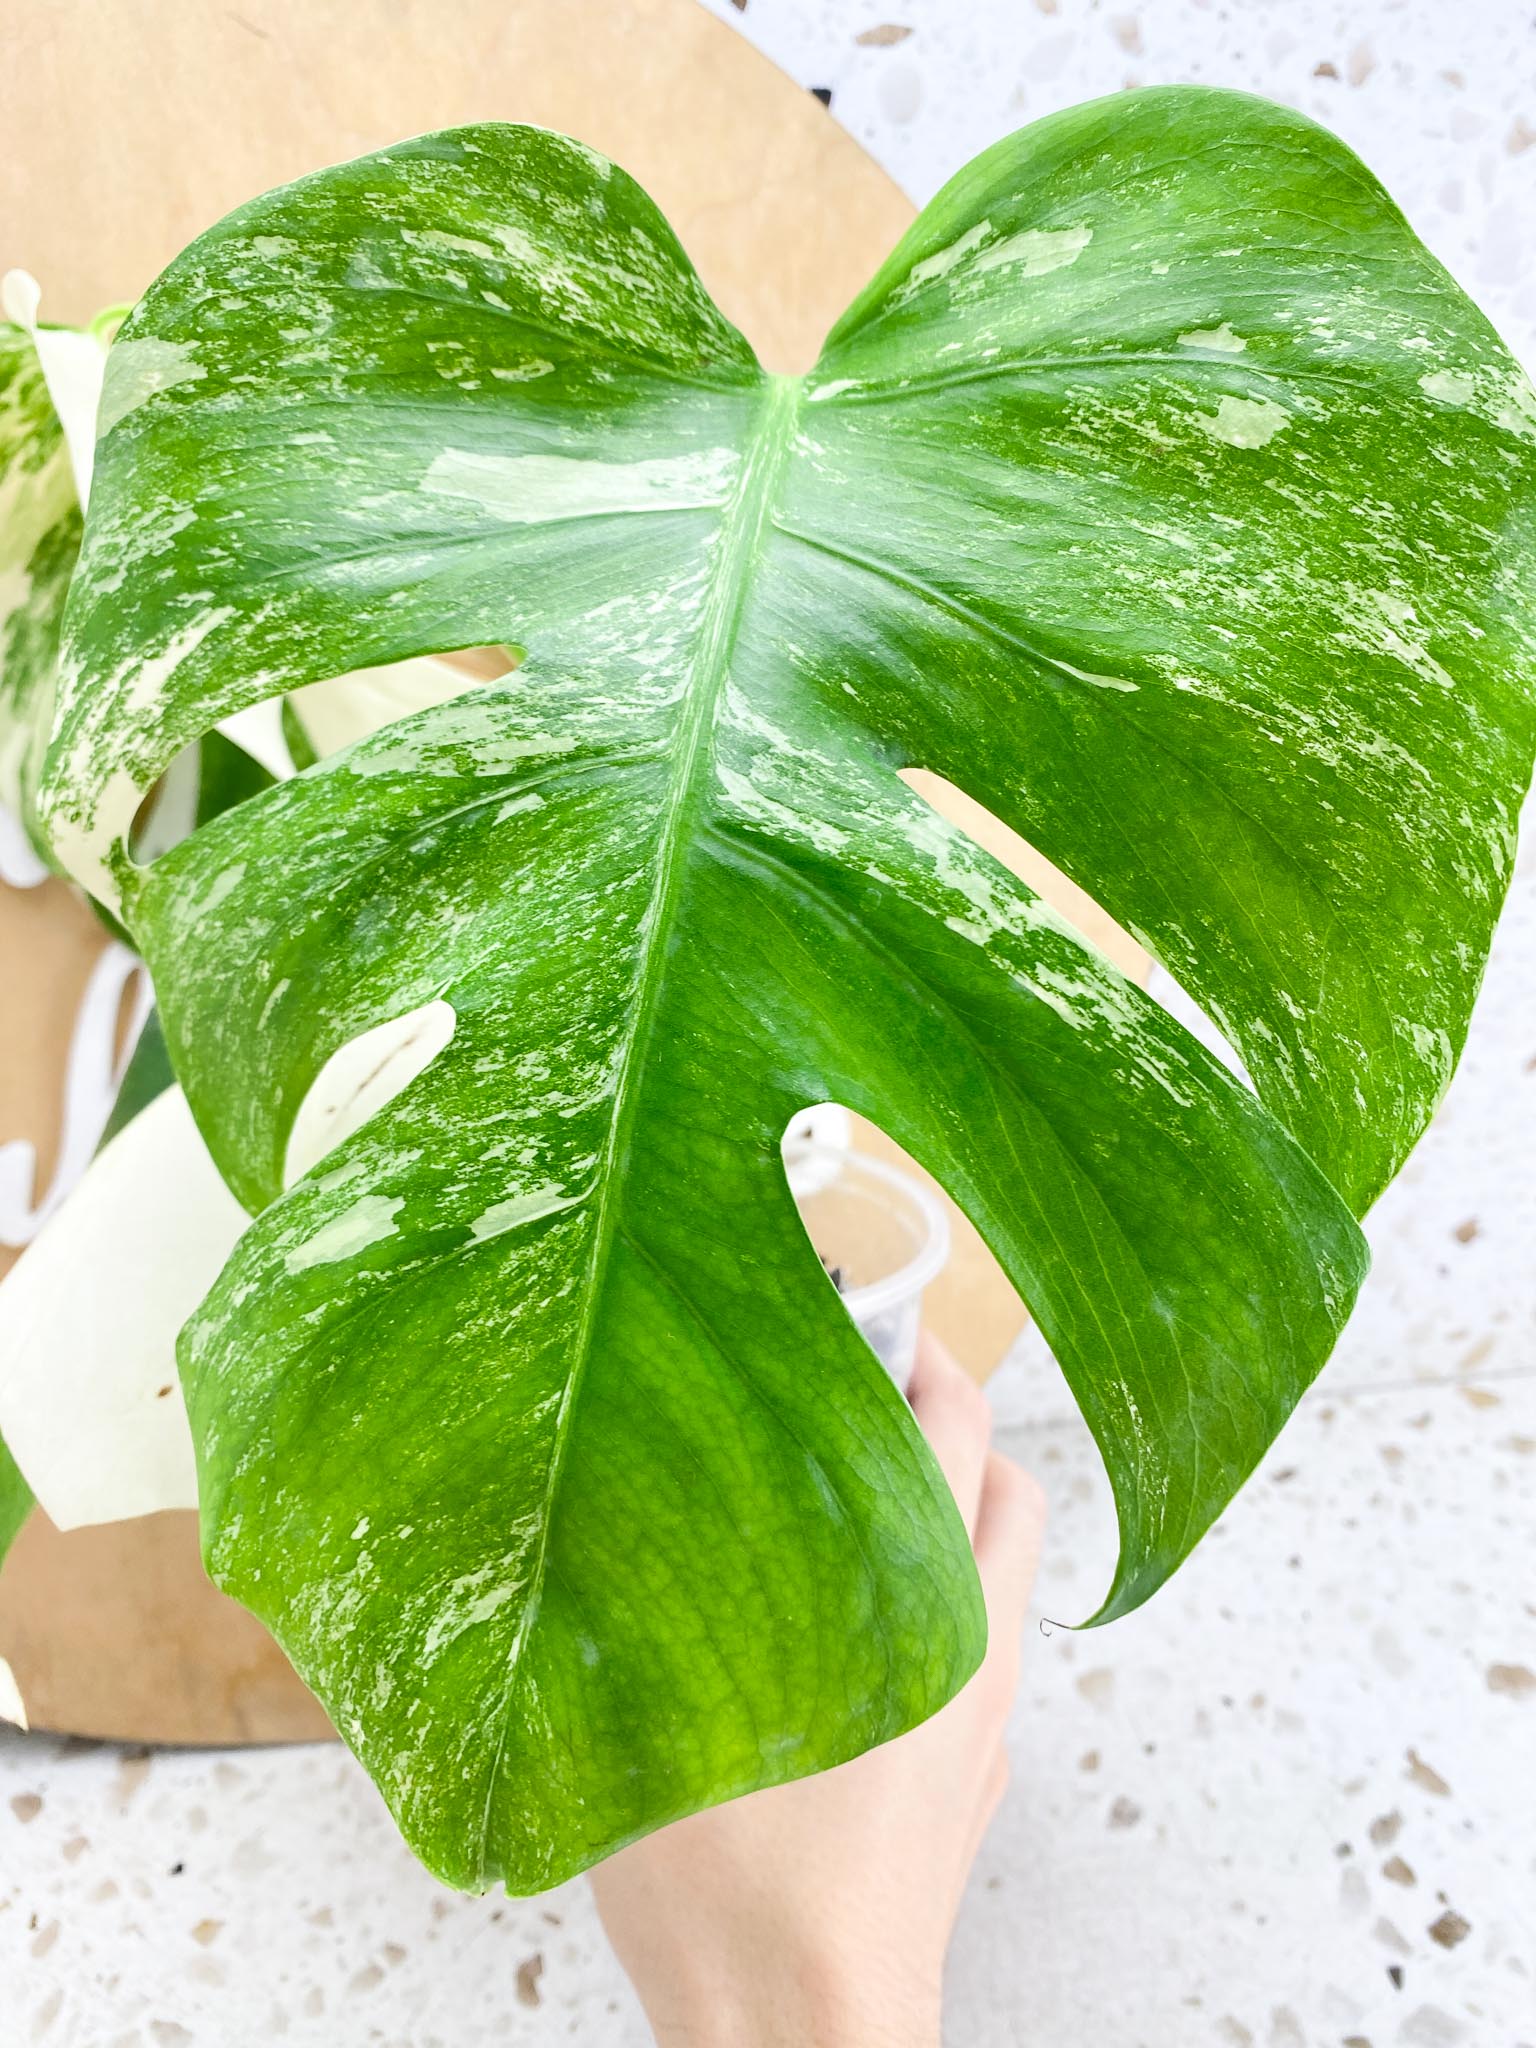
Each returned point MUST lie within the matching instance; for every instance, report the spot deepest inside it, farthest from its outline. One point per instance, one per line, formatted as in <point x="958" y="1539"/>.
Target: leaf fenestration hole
<point x="335" y="713"/>
<point x="1078" y="907"/>
<point x="168" y="810"/>
<point x="330" y="715"/>
<point x="1200" y="1025"/>
<point x="891" y="1239"/>
<point x="1074" y="903"/>
<point x="362" y="1077"/>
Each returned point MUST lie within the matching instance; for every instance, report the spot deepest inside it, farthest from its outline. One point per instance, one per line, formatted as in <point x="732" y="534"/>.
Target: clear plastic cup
<point x="882" y="1236"/>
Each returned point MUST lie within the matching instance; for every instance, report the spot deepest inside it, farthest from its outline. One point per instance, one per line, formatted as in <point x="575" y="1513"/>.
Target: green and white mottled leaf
<point x="39" y="540"/>
<point x="73" y="360"/>
<point x="1163" y="493"/>
<point x="1255" y="485"/>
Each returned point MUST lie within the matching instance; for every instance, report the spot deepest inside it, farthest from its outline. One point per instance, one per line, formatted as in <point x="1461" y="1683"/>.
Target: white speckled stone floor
<point x="1292" y="1804"/>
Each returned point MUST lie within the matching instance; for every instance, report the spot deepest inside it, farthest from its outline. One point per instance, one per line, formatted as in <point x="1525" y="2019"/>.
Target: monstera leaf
<point x="1162" y="492"/>
<point x="39" y="540"/>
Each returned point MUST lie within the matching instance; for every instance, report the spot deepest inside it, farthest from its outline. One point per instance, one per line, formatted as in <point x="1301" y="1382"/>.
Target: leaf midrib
<point x="743" y="524"/>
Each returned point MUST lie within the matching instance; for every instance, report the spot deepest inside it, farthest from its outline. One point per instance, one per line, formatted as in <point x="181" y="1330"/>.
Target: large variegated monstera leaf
<point x="1162" y="492"/>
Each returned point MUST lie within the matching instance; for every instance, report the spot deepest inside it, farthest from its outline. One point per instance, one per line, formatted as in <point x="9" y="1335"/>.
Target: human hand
<point x="818" y="1913"/>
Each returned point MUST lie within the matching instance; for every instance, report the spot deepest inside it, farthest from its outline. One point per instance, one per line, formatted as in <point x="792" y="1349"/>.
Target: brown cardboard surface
<point x="117" y="1632"/>
<point x="128" y="130"/>
<point x="49" y="943"/>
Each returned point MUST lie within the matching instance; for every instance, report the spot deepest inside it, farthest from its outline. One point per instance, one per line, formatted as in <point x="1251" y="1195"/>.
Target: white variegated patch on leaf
<point x="1162" y="493"/>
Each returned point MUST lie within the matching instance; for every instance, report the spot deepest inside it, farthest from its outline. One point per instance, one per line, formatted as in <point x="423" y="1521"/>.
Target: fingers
<point x="954" y="1415"/>
<point x="1010" y="1527"/>
<point x="994" y="1785"/>
<point x="1003" y="1505"/>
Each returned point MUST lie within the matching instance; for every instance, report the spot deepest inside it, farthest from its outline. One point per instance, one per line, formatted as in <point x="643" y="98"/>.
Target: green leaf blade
<point x="541" y="1427"/>
<point x="40" y="526"/>
<point x="16" y="1501"/>
<point x="527" y="1417"/>
<point x="1273" y="477"/>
